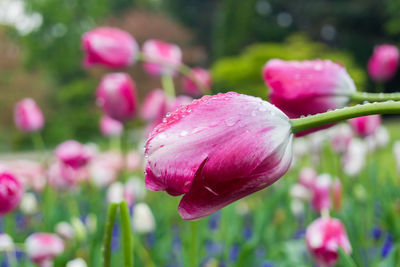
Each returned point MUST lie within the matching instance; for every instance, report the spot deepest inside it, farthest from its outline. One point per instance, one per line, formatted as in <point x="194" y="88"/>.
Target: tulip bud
<point x="382" y="65"/>
<point x="78" y="262"/>
<point x="30" y="173"/>
<point x="161" y="58"/>
<point x="143" y="219"/>
<point x="28" y="205"/>
<point x="42" y="248"/>
<point x="366" y="126"/>
<point x="382" y="137"/>
<point x="354" y="160"/>
<point x="321" y="198"/>
<point x="301" y="88"/>
<point x="27" y="116"/>
<point x="65" y="230"/>
<point x="218" y="137"/>
<point x="11" y="191"/>
<point x="110" y="127"/>
<point x="300" y="192"/>
<point x="198" y="77"/>
<point x="337" y="194"/>
<point x="116" y="95"/>
<point x="110" y="47"/>
<point x="155" y="106"/>
<point x="73" y="154"/>
<point x="6" y="243"/>
<point x="324" y="237"/>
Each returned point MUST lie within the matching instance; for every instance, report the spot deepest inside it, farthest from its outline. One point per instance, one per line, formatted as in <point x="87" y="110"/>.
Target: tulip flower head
<point x="27" y="116"/>
<point x="11" y="191"/>
<point x="354" y="159"/>
<point x="29" y="204"/>
<point x="42" y="248"/>
<point x="110" y="47"/>
<point x="324" y="237"/>
<point x="301" y="88"/>
<point x="161" y="58"/>
<point x="6" y="243"/>
<point x="78" y="262"/>
<point x="62" y="176"/>
<point x="217" y="150"/>
<point x="383" y="64"/>
<point x="116" y="95"/>
<point x="199" y="79"/>
<point x="367" y="125"/>
<point x="73" y="154"/>
<point x="65" y="230"/>
<point x="307" y="177"/>
<point x="110" y="127"/>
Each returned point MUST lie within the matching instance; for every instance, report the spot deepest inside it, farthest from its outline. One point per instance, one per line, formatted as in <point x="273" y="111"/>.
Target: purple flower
<point x="214" y="221"/>
<point x="376" y="233"/>
<point x="115" y="238"/>
<point x="234" y="252"/>
<point x="387" y="246"/>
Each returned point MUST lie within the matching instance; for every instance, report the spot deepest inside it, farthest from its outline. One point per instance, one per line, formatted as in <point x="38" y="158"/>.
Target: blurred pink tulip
<point x="62" y="176"/>
<point x="210" y="152"/>
<point x="134" y="161"/>
<point x="27" y="116"/>
<point x="110" y="127"/>
<point x="110" y="47"/>
<point x="116" y="95"/>
<point x="11" y="191"/>
<point x="155" y="106"/>
<point x="301" y="88"/>
<point x="324" y="237"/>
<point x="354" y="159"/>
<point x="307" y="177"/>
<point x="383" y="64"/>
<point x="365" y="126"/>
<point x="200" y="79"/>
<point x="30" y="173"/>
<point x="342" y="135"/>
<point x="168" y="56"/>
<point x="321" y="198"/>
<point x="73" y="154"/>
<point x="42" y="248"/>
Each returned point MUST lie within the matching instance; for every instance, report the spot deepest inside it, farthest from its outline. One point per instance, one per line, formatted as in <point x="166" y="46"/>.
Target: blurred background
<point x="41" y="55"/>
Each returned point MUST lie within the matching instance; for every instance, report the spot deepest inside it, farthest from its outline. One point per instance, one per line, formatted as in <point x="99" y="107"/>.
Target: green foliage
<point x="243" y="73"/>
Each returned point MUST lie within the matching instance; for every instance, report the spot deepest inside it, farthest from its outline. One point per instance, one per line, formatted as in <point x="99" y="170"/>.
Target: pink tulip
<point x="217" y="150"/>
<point x="324" y="237"/>
<point x="321" y="198"/>
<point x="27" y="116"/>
<point x="301" y="88"/>
<point x="354" y="159"/>
<point x="199" y="79"/>
<point x="42" y="248"/>
<point x="382" y="65"/>
<point x="63" y="176"/>
<point x="73" y="154"/>
<point x="11" y="191"/>
<point x="337" y="194"/>
<point x="110" y="47"/>
<point x="116" y="95"/>
<point x="367" y="125"/>
<point x="168" y="56"/>
<point x="307" y="177"/>
<point x="134" y="161"/>
<point x="342" y="136"/>
<point x="110" y="127"/>
<point x="155" y="106"/>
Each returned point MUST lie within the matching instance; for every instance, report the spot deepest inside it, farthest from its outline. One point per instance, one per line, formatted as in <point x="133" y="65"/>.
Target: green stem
<point x="374" y="97"/>
<point x="126" y="234"/>
<point x="317" y="120"/>
<point x="168" y="85"/>
<point x="111" y="214"/>
<point x="38" y="142"/>
<point x="194" y="244"/>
